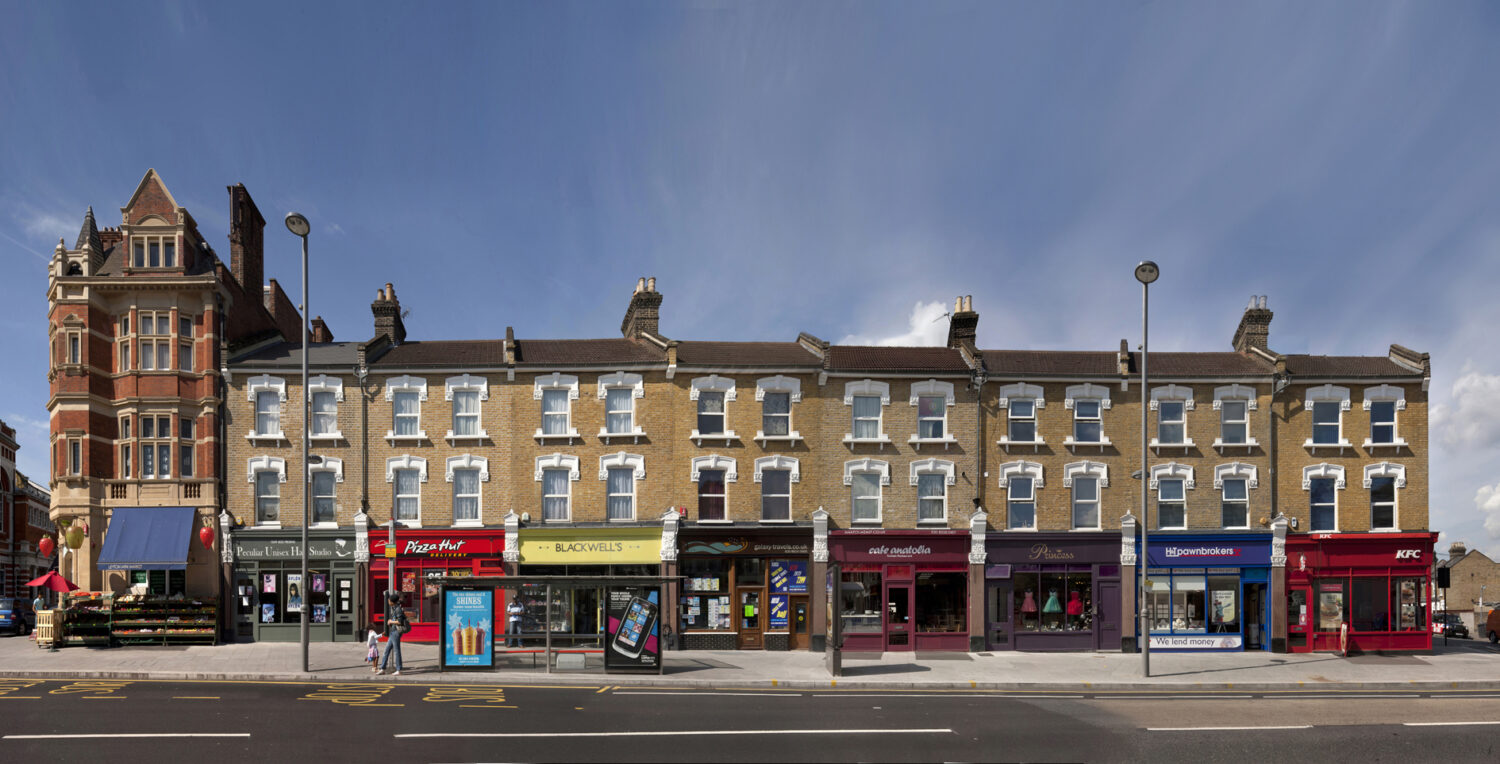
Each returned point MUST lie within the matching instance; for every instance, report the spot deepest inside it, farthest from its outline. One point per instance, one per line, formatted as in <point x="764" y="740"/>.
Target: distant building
<point x="23" y="522"/>
<point x="1474" y="586"/>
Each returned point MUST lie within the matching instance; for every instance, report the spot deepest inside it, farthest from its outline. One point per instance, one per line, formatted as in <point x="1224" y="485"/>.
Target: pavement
<point x="1460" y="665"/>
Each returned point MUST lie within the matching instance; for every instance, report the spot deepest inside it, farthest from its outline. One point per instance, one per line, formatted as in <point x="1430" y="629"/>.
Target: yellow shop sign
<point x="592" y="546"/>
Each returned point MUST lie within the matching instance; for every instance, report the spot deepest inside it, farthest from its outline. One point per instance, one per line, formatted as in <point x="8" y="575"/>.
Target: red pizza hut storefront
<point x="903" y="590"/>
<point x="1377" y="583"/>
<point x="422" y="559"/>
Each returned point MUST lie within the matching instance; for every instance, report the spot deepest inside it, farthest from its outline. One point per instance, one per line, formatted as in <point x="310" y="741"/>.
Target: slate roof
<point x="89" y="234"/>
<point x="1210" y="364"/>
<point x="603" y="352"/>
<point x="1346" y="366"/>
<point x="1062" y="363"/>
<point x="764" y="354"/>
<point x="474" y="353"/>
<point x="895" y="359"/>
<point x="320" y="354"/>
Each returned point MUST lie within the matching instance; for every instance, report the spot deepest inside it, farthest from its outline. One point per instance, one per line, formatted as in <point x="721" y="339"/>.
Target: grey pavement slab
<point x="1464" y="664"/>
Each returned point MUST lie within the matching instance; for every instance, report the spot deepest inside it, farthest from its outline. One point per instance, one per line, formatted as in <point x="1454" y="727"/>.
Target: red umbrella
<point x="54" y="581"/>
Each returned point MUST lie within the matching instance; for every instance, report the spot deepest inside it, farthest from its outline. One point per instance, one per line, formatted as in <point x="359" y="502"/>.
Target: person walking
<point x="513" y="622"/>
<point x="396" y="625"/>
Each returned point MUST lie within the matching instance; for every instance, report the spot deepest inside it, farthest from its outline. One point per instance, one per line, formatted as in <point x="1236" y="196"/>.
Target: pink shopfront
<point x="903" y="590"/>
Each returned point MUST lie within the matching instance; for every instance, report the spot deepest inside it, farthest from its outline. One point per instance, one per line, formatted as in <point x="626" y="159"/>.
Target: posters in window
<point x="468" y="627"/>
<point x="780" y="608"/>
<point x="1222" y="609"/>
<point x="634" y="618"/>
<point x="294" y="592"/>
<point x="789" y="576"/>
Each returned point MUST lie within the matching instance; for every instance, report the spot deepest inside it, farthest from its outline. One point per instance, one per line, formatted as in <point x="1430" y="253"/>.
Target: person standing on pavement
<point x="513" y="622"/>
<point x="372" y="648"/>
<point x="396" y="625"/>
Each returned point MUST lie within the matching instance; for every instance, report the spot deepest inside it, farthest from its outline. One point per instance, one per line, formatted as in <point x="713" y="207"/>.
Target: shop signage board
<point x="586" y="547"/>
<point x="438" y="545"/>
<point x="632" y="644"/>
<point x="1248" y="552"/>
<point x="252" y="548"/>
<point x="1195" y="642"/>
<point x="742" y="546"/>
<point x="945" y="547"/>
<point x="467" y="629"/>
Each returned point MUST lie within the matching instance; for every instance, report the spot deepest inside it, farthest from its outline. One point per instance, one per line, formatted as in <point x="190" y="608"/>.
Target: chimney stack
<point x="246" y="240"/>
<point x="1457" y="549"/>
<point x="387" y="310"/>
<point x="644" y="314"/>
<point x="320" y="331"/>
<point x="1255" y="326"/>
<point x="963" y="324"/>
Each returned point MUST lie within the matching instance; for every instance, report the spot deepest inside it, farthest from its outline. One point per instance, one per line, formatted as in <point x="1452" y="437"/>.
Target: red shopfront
<point x="422" y="559"/>
<point x="903" y="590"/>
<point x="1377" y="583"/>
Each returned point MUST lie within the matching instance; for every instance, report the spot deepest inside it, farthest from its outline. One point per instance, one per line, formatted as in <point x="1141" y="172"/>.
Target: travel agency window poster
<point x="468" y="628"/>
<point x="634" y="614"/>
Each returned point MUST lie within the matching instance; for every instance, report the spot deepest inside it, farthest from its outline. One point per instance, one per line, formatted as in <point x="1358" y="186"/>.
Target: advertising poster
<point x="468" y="628"/>
<point x="780" y="608"/>
<point x="789" y="576"/>
<point x="1222" y="608"/>
<point x="634" y="615"/>
<point x="294" y="592"/>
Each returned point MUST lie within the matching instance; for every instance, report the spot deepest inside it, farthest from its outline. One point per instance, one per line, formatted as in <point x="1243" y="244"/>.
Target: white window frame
<point x="468" y="462"/>
<point x="555" y="381"/>
<point x="1235" y="393"/>
<point x="160" y="438"/>
<point x="406" y="384"/>
<point x="621" y="460"/>
<point x="1395" y="472"/>
<point x="256" y="464"/>
<point x="867" y="388"/>
<point x="792" y="387"/>
<point x="933" y="467"/>
<point x="622" y="381"/>
<point x="1022" y="469"/>
<point x="323" y="383"/>
<point x="1022" y="391"/>
<point x="334" y="465"/>
<point x="1235" y="471"/>
<point x="1385" y="394"/>
<point x="714" y="462"/>
<point x="1172" y="471"/>
<point x="162" y="241"/>
<point x="406" y="462"/>
<point x="932" y="388"/>
<point x="877" y="467"/>
<point x="1329" y="471"/>
<point x="779" y="462"/>
<point x="467" y="383"/>
<point x="712" y="383"/>
<point x="557" y="462"/>
<point x="265" y="383"/>
<point x="1087" y="391"/>
<point x="1073" y="504"/>
<point x="1171" y="394"/>
<point x="1328" y="393"/>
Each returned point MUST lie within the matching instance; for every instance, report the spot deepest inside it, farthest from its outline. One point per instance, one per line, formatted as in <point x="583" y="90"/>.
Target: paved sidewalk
<point x="1463" y="664"/>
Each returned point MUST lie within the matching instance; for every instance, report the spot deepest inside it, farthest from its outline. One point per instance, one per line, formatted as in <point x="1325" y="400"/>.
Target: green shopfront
<point x="270" y="593"/>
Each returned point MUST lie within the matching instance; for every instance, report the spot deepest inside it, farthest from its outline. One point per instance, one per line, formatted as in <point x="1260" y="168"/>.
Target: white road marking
<point x="127" y="734"/>
<point x="677" y="733"/>
<point x="1444" y="724"/>
<point x="934" y="695"/>
<point x="1229" y="729"/>
<point x="1393" y="696"/>
<point x="690" y="692"/>
<point x="1173" y="697"/>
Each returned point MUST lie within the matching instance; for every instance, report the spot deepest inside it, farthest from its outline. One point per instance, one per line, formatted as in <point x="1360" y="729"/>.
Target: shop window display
<point x="1179" y="602"/>
<point x="861" y="602"/>
<point x="1369" y="604"/>
<point x="1053" y="601"/>
<point x="1223" y="604"/>
<point x="1331" y="596"/>
<point x="705" y="602"/>
<point x="284" y="594"/>
<point x="1409" y="604"/>
<point x="942" y="602"/>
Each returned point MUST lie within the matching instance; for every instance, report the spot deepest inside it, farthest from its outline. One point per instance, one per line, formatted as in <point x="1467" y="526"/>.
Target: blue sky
<point x="844" y="169"/>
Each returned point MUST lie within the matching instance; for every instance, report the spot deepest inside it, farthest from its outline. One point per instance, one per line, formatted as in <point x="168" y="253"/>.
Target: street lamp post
<point x="299" y="227"/>
<point x="1145" y="273"/>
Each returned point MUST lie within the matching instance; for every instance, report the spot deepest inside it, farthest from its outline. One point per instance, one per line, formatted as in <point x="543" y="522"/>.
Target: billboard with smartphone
<point x="634" y="642"/>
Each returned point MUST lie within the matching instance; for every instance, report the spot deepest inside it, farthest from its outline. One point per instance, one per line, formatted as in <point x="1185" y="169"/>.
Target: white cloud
<point x="333" y="229"/>
<point x="925" y="326"/>
<point x="1472" y="418"/>
<point x="45" y="225"/>
<point x="1487" y="499"/>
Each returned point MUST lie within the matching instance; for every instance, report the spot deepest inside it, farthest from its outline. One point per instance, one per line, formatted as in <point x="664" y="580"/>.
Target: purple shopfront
<point x="903" y="590"/>
<point x="1052" y="591"/>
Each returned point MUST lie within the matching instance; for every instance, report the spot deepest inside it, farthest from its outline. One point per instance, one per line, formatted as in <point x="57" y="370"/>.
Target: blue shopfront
<point x="1209" y="591"/>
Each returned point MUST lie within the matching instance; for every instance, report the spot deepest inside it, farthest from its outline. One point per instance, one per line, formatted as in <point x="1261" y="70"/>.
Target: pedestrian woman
<point x="396" y="625"/>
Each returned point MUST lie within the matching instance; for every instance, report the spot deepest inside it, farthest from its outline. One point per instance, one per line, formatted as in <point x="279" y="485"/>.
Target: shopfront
<point x="579" y="616"/>
<point x="270" y="592"/>
<point x="1052" y="591"/>
<point x="422" y="558"/>
<point x="1376" y="583"/>
<point x="903" y="590"/>
<point x="1209" y="591"/>
<point x="744" y="589"/>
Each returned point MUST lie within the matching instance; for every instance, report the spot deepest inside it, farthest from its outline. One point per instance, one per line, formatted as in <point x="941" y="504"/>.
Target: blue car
<point x="15" y="616"/>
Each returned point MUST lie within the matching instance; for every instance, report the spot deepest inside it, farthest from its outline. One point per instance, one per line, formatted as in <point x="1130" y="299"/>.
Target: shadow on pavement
<point x="895" y="668"/>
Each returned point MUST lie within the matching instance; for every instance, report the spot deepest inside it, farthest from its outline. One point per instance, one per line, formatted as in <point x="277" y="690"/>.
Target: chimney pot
<point x="651" y="284"/>
<point x="968" y="302"/>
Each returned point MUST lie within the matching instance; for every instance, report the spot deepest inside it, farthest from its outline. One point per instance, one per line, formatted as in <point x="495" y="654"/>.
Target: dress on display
<point x="1028" y="605"/>
<point x="1075" y="604"/>
<point x="1052" y="606"/>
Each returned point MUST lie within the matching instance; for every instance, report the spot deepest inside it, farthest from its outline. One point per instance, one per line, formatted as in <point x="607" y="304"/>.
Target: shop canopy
<point x="147" y="538"/>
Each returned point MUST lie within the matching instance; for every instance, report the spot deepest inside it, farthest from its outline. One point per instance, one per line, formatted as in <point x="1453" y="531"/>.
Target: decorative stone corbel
<point x="361" y="537"/>
<point x="669" y="523"/>
<point x="1127" y="540"/>
<point x="820" y="535"/>
<point x="226" y="543"/>
<point x="1278" y="541"/>
<point x="976" y="537"/>
<point x="512" y="537"/>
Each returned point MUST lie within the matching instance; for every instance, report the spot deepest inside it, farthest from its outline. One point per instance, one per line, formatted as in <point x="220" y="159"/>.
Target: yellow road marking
<point x="601" y="689"/>
<point x="486" y="706"/>
<point x="195" y="697"/>
<point x="103" y="697"/>
<point x="20" y="697"/>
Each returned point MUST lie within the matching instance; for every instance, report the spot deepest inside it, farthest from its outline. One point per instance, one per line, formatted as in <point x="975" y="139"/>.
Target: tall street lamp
<point x="298" y="225"/>
<point x="1145" y="273"/>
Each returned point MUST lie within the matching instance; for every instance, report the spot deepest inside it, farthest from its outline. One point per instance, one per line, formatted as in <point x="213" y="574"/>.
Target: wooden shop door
<point x="751" y="619"/>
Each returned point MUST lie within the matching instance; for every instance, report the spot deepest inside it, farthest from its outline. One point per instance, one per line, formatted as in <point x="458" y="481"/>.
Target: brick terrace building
<point x="23" y="523"/>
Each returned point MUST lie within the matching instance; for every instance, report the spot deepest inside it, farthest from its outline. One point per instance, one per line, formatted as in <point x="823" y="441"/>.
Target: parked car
<point x="1449" y="625"/>
<point x="1492" y="626"/>
<point x="16" y="616"/>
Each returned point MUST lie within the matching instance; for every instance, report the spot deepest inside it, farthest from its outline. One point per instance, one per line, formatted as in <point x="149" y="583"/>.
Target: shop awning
<point x="147" y="538"/>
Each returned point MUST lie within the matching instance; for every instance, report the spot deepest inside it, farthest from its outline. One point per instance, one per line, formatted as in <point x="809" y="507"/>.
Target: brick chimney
<point x="246" y="240"/>
<point x="644" y="314"/>
<point x="387" y="310"/>
<point x="1255" y="326"/>
<point x="320" y="331"/>
<point x="963" y="324"/>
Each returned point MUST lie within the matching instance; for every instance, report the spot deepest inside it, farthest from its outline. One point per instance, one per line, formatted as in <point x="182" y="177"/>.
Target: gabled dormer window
<point x="154" y="251"/>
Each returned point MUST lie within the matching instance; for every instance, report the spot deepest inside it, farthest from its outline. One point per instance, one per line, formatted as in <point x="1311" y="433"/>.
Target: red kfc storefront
<point x="422" y="559"/>
<point x="1375" y="583"/>
<point x="903" y="590"/>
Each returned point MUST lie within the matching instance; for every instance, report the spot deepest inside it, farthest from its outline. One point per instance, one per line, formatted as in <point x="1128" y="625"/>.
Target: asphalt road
<point x="148" y="721"/>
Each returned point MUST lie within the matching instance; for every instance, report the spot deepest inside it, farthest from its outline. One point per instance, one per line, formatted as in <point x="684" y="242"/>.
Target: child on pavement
<point x="372" y="648"/>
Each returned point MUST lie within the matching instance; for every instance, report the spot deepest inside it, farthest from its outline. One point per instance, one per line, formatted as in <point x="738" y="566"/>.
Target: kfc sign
<point x="1408" y="554"/>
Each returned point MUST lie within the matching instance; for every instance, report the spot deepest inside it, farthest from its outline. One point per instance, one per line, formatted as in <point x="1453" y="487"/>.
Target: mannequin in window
<point x="1075" y="609"/>
<point x="1028" y="611"/>
<point x="1052" y="612"/>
